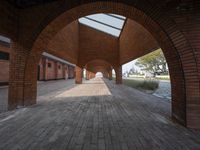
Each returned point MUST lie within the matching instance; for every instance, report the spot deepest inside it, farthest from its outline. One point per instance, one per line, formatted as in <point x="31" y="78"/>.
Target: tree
<point x="153" y="62"/>
<point x="132" y="70"/>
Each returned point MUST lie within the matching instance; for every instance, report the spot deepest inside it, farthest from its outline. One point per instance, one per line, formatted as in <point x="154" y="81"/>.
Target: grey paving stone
<point x="97" y="115"/>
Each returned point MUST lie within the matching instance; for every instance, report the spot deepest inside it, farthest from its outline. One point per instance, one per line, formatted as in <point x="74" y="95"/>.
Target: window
<point x="49" y="65"/>
<point x="59" y="67"/>
<point x="4" y="56"/>
<point x="108" y="23"/>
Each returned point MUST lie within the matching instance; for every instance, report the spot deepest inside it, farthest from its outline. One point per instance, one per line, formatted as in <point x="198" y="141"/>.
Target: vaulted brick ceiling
<point x="163" y="3"/>
<point x="28" y="3"/>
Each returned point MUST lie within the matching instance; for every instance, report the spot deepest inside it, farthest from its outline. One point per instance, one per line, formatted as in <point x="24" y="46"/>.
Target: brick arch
<point x="98" y="62"/>
<point x="99" y="65"/>
<point x="176" y="48"/>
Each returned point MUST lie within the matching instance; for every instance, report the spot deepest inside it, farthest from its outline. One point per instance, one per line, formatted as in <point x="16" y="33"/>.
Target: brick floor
<point x="97" y="115"/>
<point x="44" y="88"/>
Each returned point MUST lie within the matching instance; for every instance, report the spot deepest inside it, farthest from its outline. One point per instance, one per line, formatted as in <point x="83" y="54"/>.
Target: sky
<point x="129" y="65"/>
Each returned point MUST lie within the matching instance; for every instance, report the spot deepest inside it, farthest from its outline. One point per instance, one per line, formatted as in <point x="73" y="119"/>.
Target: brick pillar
<point x="118" y="72"/>
<point x="110" y="74"/>
<point x="56" y="69"/>
<point x="18" y="57"/>
<point x="87" y="75"/>
<point x="45" y="69"/>
<point x="79" y="75"/>
<point x="64" y="70"/>
<point x="92" y="75"/>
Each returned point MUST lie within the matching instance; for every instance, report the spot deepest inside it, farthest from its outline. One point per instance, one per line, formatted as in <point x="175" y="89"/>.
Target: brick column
<point x="79" y="75"/>
<point x="45" y="69"/>
<point x="56" y="69"/>
<point x="87" y="75"/>
<point x="64" y="69"/>
<point x="18" y="56"/>
<point x="118" y="72"/>
<point x="110" y="74"/>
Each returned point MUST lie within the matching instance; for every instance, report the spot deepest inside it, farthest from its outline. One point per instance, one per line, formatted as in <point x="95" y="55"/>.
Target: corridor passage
<point x="95" y="115"/>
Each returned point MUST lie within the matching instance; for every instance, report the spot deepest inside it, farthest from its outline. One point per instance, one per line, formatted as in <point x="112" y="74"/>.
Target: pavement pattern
<point x="96" y="115"/>
<point x="164" y="90"/>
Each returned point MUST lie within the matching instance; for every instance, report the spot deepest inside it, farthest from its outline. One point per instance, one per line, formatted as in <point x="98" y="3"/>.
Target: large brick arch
<point x="178" y="52"/>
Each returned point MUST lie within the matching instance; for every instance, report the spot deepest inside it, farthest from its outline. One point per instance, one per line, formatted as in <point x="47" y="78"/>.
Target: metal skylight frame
<point x="109" y="23"/>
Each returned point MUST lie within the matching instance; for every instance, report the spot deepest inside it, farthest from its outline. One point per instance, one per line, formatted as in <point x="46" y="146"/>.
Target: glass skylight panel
<point x="118" y="16"/>
<point x="4" y="39"/>
<point x="109" y="23"/>
<point x="100" y="27"/>
<point x="107" y="19"/>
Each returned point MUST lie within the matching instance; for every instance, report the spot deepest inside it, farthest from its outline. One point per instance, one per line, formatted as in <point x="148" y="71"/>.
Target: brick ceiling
<point x="165" y="3"/>
<point x="27" y="3"/>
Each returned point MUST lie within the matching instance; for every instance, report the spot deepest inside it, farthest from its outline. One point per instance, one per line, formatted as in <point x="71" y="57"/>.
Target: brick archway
<point x="99" y="65"/>
<point x="98" y="62"/>
<point x="176" y="48"/>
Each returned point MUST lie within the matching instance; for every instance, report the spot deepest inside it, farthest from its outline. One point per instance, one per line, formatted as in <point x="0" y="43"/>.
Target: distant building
<point x="54" y="68"/>
<point x="49" y="67"/>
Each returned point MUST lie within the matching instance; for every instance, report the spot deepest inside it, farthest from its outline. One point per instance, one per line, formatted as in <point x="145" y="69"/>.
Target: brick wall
<point x="95" y="44"/>
<point x="4" y="66"/>
<point x="65" y="44"/>
<point x="53" y="70"/>
<point x="135" y="41"/>
<point x="71" y="72"/>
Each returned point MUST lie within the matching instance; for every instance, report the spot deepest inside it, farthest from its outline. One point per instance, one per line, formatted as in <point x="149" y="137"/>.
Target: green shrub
<point x="149" y="84"/>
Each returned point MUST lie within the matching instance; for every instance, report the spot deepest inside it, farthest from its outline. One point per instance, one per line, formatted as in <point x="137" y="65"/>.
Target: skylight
<point x="108" y="23"/>
<point x="4" y="39"/>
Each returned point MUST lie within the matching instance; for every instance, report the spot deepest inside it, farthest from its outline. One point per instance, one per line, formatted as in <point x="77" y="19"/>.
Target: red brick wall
<point x="71" y="72"/>
<point x="41" y="67"/>
<point x="189" y="23"/>
<point x="135" y="41"/>
<point x="66" y="43"/>
<point x="60" y="74"/>
<point x="95" y="44"/>
<point x="4" y="66"/>
<point x="4" y="71"/>
<point x="54" y="72"/>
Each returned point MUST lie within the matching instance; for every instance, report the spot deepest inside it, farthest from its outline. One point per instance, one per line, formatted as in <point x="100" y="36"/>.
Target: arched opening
<point x="98" y="65"/>
<point x="159" y="25"/>
<point x="99" y="75"/>
<point x="149" y="74"/>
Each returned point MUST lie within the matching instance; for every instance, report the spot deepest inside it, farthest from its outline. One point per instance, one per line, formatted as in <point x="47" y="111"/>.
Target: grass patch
<point x="149" y="84"/>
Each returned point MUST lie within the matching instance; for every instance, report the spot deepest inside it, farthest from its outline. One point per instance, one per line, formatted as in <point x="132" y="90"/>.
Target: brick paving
<point x="43" y="89"/>
<point x="96" y="115"/>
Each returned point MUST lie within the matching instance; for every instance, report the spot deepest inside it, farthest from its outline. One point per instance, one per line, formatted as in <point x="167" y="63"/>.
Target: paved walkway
<point x="43" y="89"/>
<point x="164" y="90"/>
<point x="97" y="115"/>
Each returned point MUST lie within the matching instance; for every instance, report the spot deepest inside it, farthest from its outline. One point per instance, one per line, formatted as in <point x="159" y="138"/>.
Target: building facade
<point x="49" y="67"/>
<point x="54" y="68"/>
